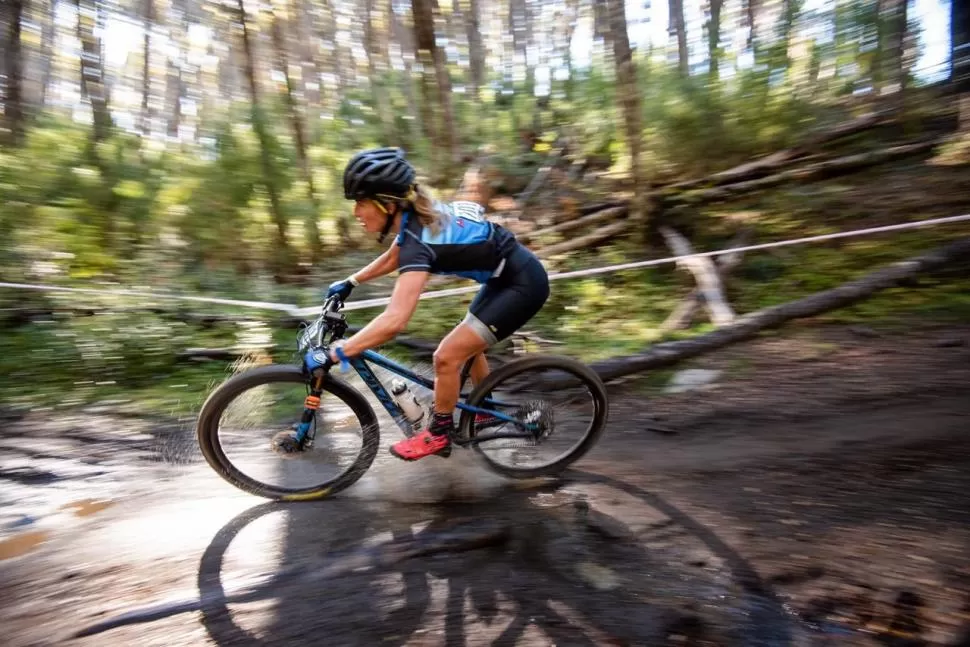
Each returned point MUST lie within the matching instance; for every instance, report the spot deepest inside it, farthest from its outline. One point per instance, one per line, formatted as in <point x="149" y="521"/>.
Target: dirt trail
<point x="817" y="494"/>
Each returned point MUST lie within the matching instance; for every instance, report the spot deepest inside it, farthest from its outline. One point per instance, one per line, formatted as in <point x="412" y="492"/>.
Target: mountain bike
<point x="309" y="434"/>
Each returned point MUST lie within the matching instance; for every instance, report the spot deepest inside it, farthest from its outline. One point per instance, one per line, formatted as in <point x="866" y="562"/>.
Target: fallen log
<point x="813" y="171"/>
<point x="683" y="315"/>
<point x="774" y="161"/>
<point x="706" y="275"/>
<point x="747" y="326"/>
<point x="575" y="223"/>
<point x="596" y="236"/>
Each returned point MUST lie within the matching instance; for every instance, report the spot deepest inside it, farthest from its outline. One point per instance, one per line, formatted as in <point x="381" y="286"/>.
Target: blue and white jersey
<point x="467" y="244"/>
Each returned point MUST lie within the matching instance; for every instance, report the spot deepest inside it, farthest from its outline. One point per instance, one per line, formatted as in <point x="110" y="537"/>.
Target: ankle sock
<point x="441" y="423"/>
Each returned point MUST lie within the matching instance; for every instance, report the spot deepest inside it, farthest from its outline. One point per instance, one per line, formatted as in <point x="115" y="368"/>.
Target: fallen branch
<point x="811" y="172"/>
<point x="596" y="236"/>
<point x="748" y="326"/>
<point x="537" y="180"/>
<point x="683" y="315"/>
<point x="575" y="223"/>
<point x="769" y="163"/>
<point x="708" y="280"/>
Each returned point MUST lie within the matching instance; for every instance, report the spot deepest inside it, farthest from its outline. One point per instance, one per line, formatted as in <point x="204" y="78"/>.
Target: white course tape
<point x="262" y="305"/>
<point x="371" y="303"/>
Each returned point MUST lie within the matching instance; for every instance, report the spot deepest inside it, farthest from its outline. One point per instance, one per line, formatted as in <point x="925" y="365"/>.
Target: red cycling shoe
<point x="421" y="445"/>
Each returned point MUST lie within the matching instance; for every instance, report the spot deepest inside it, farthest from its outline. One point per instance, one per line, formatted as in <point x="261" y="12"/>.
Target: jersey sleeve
<point x="414" y="256"/>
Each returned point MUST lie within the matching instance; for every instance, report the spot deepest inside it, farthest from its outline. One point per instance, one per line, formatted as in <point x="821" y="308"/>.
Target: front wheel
<point x="560" y="402"/>
<point x="247" y="424"/>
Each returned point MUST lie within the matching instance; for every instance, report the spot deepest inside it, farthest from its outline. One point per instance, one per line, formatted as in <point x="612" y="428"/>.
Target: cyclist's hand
<point x="336" y="357"/>
<point x="342" y="288"/>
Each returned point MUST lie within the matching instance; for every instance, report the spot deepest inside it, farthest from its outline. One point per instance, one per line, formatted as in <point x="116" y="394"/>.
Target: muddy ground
<point x="818" y="493"/>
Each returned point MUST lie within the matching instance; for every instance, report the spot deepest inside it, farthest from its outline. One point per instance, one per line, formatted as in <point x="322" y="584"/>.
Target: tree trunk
<point x="173" y="92"/>
<point x="960" y="45"/>
<point x="306" y="35"/>
<point x="789" y="14"/>
<point x="48" y="35"/>
<point x="282" y="257"/>
<point x="332" y="62"/>
<point x="13" y="107"/>
<point x="375" y="69"/>
<point x="628" y="96"/>
<point x="747" y="326"/>
<point x="890" y="70"/>
<point x="476" y="51"/>
<point x="405" y="41"/>
<point x="521" y="28"/>
<point x="432" y="56"/>
<point x="146" y="117"/>
<point x="713" y="36"/>
<point x="299" y="141"/>
<point x="92" y="69"/>
<point x="572" y="17"/>
<point x="751" y="19"/>
<point x="678" y="29"/>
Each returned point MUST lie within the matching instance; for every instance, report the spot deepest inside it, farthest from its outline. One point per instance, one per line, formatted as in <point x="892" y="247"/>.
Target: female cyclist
<point x="436" y="238"/>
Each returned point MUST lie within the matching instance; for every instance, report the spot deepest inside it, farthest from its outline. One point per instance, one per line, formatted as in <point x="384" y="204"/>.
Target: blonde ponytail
<point x="426" y="207"/>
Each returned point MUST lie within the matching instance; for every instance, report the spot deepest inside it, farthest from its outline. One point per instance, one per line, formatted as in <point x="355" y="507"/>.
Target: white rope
<point x="593" y="271"/>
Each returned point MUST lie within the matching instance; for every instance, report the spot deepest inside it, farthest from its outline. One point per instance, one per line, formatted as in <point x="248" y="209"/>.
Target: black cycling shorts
<point x="506" y="302"/>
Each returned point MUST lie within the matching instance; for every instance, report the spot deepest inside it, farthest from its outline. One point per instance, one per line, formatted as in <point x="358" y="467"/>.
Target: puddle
<point x="22" y="544"/>
<point x="87" y="507"/>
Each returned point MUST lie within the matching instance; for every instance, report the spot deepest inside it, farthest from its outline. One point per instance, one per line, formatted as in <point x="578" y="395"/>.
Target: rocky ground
<point x="815" y="493"/>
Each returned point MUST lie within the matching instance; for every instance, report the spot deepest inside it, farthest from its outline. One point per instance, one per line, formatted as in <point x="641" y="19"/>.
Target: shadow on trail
<point x="526" y="567"/>
<point x="504" y="593"/>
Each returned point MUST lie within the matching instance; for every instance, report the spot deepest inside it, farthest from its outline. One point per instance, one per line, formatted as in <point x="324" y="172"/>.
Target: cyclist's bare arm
<point x="404" y="301"/>
<point x="380" y="266"/>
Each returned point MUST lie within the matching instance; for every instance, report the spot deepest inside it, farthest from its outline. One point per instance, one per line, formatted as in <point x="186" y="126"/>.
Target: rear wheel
<point x="246" y="431"/>
<point x="561" y="402"/>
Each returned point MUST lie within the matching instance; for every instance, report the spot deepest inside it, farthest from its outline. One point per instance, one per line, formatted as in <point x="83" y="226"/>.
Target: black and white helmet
<point x="378" y="172"/>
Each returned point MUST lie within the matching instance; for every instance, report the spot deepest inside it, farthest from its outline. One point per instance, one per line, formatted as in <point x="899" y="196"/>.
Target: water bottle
<point x="413" y="411"/>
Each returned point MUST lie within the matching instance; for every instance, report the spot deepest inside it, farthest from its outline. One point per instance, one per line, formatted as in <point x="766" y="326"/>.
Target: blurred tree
<point x="375" y="48"/>
<point x="280" y="11"/>
<point x="147" y="25"/>
<point x="433" y="58"/>
<point x="282" y="260"/>
<point x="713" y="35"/>
<point x="960" y="44"/>
<point x="404" y="38"/>
<point x="13" y="108"/>
<point x="628" y="96"/>
<point x="476" y="52"/>
<point x="92" y="68"/>
<point x="678" y="30"/>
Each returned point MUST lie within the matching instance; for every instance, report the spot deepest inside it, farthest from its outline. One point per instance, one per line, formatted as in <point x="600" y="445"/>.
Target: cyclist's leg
<point x="454" y="350"/>
<point x="460" y="344"/>
<point x="479" y="369"/>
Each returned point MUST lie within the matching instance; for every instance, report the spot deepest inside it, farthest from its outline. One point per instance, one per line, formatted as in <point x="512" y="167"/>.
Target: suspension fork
<point x="310" y="405"/>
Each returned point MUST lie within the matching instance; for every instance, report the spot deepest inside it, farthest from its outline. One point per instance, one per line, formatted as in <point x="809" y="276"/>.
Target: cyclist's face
<point x="369" y="215"/>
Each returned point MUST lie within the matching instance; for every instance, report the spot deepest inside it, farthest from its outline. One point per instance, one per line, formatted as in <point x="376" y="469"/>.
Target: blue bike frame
<point x="360" y="364"/>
